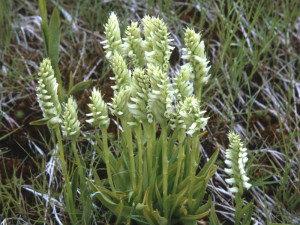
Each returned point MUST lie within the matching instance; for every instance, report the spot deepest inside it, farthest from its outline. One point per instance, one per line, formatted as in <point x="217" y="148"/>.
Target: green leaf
<point x="105" y="195"/>
<point x="204" y="207"/>
<point x="177" y="200"/>
<point x="153" y="217"/>
<point x="194" y="217"/>
<point x="210" y="162"/>
<point x="213" y="218"/>
<point x="248" y="211"/>
<point x="80" y="87"/>
<point x="44" y="24"/>
<point x="74" y="184"/>
<point x="53" y="45"/>
<point x="39" y="122"/>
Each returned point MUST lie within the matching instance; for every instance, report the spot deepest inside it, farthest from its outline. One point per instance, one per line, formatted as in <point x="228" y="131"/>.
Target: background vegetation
<point x="254" y="49"/>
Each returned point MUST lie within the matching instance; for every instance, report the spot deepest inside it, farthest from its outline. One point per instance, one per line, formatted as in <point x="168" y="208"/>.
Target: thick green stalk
<point x="165" y="168"/>
<point x="68" y="192"/>
<point x="128" y="136"/>
<point x="193" y="167"/>
<point x="180" y="158"/>
<point x="150" y="135"/>
<point x="106" y="159"/>
<point x="138" y="132"/>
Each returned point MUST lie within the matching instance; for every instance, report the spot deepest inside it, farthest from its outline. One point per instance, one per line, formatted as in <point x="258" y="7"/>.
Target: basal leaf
<point x="54" y="41"/>
<point x="39" y="122"/>
<point x="44" y="24"/>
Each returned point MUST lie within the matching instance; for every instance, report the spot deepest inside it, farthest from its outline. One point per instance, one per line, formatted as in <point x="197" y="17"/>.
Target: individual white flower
<point x="236" y="158"/>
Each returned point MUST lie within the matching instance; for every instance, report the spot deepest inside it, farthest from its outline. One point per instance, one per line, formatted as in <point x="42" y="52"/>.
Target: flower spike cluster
<point x="47" y="93"/>
<point x="99" y="112"/>
<point x="236" y="158"/>
<point x="71" y="125"/>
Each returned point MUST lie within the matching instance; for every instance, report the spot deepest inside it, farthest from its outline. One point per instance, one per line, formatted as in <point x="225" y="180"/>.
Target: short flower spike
<point x="133" y="45"/>
<point x="122" y="74"/>
<point x="138" y="104"/>
<point x="119" y="106"/>
<point x="236" y="158"/>
<point x="157" y="43"/>
<point x="189" y="116"/>
<point x="99" y="112"/>
<point x="47" y="93"/>
<point x="71" y="125"/>
<point x="113" y="42"/>
<point x="195" y="54"/>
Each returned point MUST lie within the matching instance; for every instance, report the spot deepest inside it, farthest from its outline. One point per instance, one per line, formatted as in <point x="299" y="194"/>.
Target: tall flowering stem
<point x="100" y="120"/>
<point x="236" y="159"/>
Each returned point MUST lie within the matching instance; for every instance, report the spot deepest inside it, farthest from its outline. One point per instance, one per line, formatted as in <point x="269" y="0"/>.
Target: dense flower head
<point x="236" y="158"/>
<point x="119" y="105"/>
<point x="122" y="74"/>
<point x="189" y="116"/>
<point x="157" y="43"/>
<point x="161" y="95"/>
<point x="133" y="45"/>
<point x="195" y="54"/>
<point x="99" y="112"/>
<point x="71" y="125"/>
<point x="47" y="93"/>
<point x="138" y="104"/>
<point x="113" y="42"/>
<point x="183" y="88"/>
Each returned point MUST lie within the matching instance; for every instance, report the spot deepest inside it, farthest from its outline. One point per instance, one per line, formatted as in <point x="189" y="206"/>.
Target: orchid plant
<point x="153" y="175"/>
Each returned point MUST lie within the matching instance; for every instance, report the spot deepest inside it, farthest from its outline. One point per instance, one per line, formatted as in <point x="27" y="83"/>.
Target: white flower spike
<point x="236" y="158"/>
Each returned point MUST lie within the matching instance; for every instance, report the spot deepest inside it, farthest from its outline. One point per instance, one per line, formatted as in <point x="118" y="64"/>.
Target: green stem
<point x="138" y="132"/>
<point x="74" y="148"/>
<point x="193" y="168"/>
<point x="165" y="168"/>
<point x="68" y="191"/>
<point x="180" y="158"/>
<point x="106" y="159"/>
<point x="128" y="137"/>
<point x="150" y="139"/>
